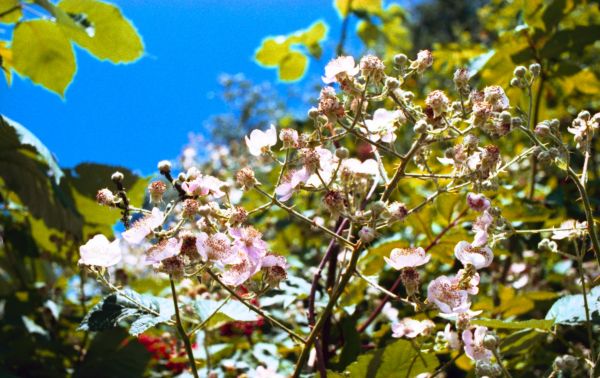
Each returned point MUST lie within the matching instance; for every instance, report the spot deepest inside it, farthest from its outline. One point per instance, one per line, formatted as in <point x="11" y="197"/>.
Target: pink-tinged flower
<point x="479" y="257"/>
<point x="143" y="227"/>
<point x="451" y="337"/>
<point x="407" y="258"/>
<point x="481" y="227"/>
<point x="472" y="286"/>
<point x="495" y="96"/>
<point x="98" y="251"/>
<point x="411" y="328"/>
<point x="447" y="296"/>
<point x="339" y="69"/>
<point x="163" y="250"/>
<point x="473" y="340"/>
<point x="570" y="229"/>
<point x="382" y="126"/>
<point x="298" y="177"/>
<point x="203" y="186"/>
<point x="275" y="269"/>
<point x="238" y="273"/>
<point x="478" y="202"/>
<point x="249" y="240"/>
<point x="368" y="167"/>
<point x="216" y="247"/>
<point x="260" y="142"/>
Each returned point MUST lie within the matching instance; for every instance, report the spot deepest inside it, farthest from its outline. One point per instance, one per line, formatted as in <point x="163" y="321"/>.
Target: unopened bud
<point x="400" y="59"/>
<point x="584" y="115"/>
<point x="366" y="234"/>
<point x="520" y="71"/>
<point x="516" y="122"/>
<point x="514" y="82"/>
<point x="313" y="113"/>
<point x="164" y="166"/>
<point x="392" y="83"/>
<point x="535" y="69"/>
<point x="342" y="153"/>
<point x="420" y="127"/>
<point x="490" y="341"/>
<point x="117" y="177"/>
<point x="542" y="129"/>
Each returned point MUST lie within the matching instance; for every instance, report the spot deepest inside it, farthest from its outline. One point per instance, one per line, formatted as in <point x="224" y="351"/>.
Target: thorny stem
<point x="253" y="308"/>
<point x="585" y="299"/>
<point x="304" y="218"/>
<point x="402" y="168"/>
<point x="181" y="330"/>
<point x="499" y="359"/>
<point x="587" y="207"/>
<point x="398" y="281"/>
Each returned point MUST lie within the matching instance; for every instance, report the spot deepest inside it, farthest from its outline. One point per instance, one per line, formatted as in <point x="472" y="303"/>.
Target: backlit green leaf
<point x="43" y="53"/>
<point x="293" y="66"/>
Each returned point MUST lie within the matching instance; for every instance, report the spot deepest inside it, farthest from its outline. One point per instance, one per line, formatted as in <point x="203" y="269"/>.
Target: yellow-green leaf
<point x="272" y="51"/>
<point x="11" y="9"/>
<point x="345" y="6"/>
<point x="315" y="33"/>
<point x="109" y="36"/>
<point x="44" y="54"/>
<point x="292" y="66"/>
<point x="6" y="62"/>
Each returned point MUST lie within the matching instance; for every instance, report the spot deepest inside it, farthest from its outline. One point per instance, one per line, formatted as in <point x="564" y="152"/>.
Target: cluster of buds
<point x="523" y="77"/>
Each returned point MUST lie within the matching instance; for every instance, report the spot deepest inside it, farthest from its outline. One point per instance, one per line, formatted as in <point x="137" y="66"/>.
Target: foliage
<point x="42" y="49"/>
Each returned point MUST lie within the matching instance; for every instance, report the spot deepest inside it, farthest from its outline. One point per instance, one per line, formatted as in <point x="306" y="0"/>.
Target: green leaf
<point x="293" y="66"/>
<point x="12" y="11"/>
<point x="553" y="13"/>
<point x="219" y="313"/>
<point x="344" y="7"/>
<point x="515" y="324"/>
<point x="107" y="35"/>
<point x="144" y="312"/>
<point x="570" y="309"/>
<point x="29" y="170"/>
<point x="113" y="353"/>
<point x="44" y="54"/>
<point x="272" y="51"/>
<point x="398" y="359"/>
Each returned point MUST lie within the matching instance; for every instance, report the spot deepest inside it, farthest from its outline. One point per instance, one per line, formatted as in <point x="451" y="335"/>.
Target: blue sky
<point x="137" y="114"/>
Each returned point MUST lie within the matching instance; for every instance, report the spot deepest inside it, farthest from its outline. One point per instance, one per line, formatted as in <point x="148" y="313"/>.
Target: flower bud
<point x="397" y="211"/>
<point x="400" y="59"/>
<point x="105" y="197"/>
<point x="420" y="127"/>
<point x="392" y="83"/>
<point x="164" y="166"/>
<point x="181" y="177"/>
<point x="485" y="368"/>
<point x="584" y="115"/>
<point x="313" y="113"/>
<point x="461" y="78"/>
<point x="342" y="153"/>
<point x="471" y="141"/>
<point x="516" y="122"/>
<point x="117" y="177"/>
<point x="520" y="71"/>
<point x="505" y="117"/>
<point x="535" y="69"/>
<point x="366" y="234"/>
<point x="554" y="123"/>
<point x="490" y="341"/>
<point x="156" y="190"/>
<point x="542" y="130"/>
<point x="378" y="207"/>
<point x="514" y="82"/>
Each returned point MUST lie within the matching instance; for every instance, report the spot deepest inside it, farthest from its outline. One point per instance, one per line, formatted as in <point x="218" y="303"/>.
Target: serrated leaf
<point x="12" y="11"/>
<point x="144" y="312"/>
<point x="108" y="35"/>
<point x="570" y="309"/>
<point x="293" y="66"/>
<point x="44" y="54"/>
